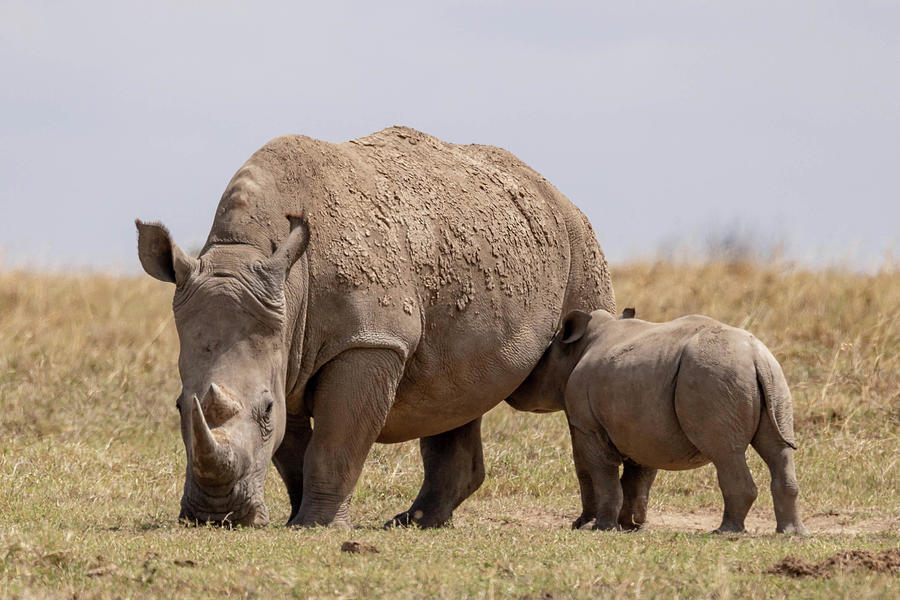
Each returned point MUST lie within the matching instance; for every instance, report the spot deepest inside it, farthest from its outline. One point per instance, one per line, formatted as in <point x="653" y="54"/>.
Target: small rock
<point x="103" y="570"/>
<point x="184" y="563"/>
<point x="359" y="548"/>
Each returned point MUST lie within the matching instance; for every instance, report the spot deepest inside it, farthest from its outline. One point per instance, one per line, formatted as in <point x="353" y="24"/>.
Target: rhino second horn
<point x="211" y="460"/>
<point x="217" y="406"/>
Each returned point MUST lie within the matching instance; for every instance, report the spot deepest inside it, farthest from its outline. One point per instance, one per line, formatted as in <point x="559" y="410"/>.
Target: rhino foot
<point x="336" y="524"/>
<point x="726" y="529"/>
<point x="417" y="518"/>
<point x="607" y="526"/>
<point x="340" y="520"/>
<point x="794" y="529"/>
<point x="583" y="522"/>
<point x="631" y="526"/>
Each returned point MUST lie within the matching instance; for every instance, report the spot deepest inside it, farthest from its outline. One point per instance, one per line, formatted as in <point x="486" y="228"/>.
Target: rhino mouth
<point x="230" y="510"/>
<point x="253" y="515"/>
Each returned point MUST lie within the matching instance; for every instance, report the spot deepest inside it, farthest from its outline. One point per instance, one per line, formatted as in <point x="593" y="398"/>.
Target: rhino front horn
<point x="212" y="460"/>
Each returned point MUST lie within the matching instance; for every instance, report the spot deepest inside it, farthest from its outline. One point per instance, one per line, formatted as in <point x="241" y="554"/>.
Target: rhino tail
<point x="776" y="394"/>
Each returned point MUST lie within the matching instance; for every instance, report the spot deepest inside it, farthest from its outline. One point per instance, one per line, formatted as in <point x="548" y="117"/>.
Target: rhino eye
<point x="263" y="417"/>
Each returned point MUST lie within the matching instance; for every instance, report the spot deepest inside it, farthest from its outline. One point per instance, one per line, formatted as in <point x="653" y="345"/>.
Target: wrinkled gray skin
<point x="671" y="396"/>
<point x="417" y="291"/>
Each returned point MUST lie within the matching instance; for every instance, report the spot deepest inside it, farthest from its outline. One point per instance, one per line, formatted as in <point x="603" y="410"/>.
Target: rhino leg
<point x="288" y="458"/>
<point x="738" y="491"/>
<point x="779" y="458"/>
<point x="454" y="469"/>
<point x="353" y="395"/>
<point x="597" y="465"/>
<point x="636" y="483"/>
<point x="586" y="487"/>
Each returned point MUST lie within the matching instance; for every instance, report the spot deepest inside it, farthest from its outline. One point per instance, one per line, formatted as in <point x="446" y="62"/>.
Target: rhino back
<point x="627" y="382"/>
<point x="462" y="253"/>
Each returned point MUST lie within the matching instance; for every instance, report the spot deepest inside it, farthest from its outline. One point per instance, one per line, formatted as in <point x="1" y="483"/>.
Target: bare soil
<point x="887" y="561"/>
<point x="352" y="547"/>
<point x="758" y="522"/>
<point x="705" y="521"/>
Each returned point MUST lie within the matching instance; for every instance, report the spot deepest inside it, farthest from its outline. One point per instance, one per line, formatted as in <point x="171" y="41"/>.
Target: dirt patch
<point x="760" y="520"/>
<point x="886" y="561"/>
<point x="358" y="548"/>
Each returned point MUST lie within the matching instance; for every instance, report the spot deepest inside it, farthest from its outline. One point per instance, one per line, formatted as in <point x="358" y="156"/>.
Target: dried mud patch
<point x="760" y="521"/>
<point x="886" y="561"/>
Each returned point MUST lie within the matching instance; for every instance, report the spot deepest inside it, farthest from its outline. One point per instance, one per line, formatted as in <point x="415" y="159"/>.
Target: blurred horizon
<point x="684" y="130"/>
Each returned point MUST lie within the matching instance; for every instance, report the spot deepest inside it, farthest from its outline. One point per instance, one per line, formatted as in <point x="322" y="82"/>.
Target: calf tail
<point x="776" y="395"/>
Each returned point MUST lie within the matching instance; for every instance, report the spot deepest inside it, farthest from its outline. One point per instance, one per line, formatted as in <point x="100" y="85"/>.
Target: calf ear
<point x="160" y="256"/>
<point x="574" y="326"/>
<point x="291" y="248"/>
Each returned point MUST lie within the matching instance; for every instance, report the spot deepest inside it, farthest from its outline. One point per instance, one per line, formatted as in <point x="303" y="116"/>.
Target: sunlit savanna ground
<point x="92" y="462"/>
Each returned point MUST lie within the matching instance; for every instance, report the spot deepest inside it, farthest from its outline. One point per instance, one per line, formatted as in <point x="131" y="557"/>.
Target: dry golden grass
<point x="91" y="463"/>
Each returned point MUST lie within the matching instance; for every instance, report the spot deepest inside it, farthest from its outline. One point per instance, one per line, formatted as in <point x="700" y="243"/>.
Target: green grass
<point x="91" y="463"/>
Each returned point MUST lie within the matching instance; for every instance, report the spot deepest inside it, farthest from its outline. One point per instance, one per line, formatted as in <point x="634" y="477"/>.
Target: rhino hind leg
<point x="738" y="491"/>
<point x="636" y="482"/>
<point x="779" y="457"/>
<point x="353" y="394"/>
<point x="454" y="469"/>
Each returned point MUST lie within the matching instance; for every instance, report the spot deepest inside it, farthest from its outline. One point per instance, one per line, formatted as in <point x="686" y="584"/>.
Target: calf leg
<point x="585" y="485"/>
<point x="738" y="491"/>
<point x="454" y="469"/>
<point x="779" y="458"/>
<point x="596" y="457"/>
<point x="353" y="395"/>
<point x="718" y="408"/>
<point x="636" y="483"/>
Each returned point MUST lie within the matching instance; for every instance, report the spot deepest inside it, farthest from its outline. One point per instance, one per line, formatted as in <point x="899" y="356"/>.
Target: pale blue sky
<point x="662" y="120"/>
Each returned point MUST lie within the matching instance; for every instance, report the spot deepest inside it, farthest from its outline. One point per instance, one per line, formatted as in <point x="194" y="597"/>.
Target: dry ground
<point x="91" y="463"/>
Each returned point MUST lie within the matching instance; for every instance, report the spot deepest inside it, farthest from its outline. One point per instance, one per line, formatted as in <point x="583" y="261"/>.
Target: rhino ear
<point x="574" y="326"/>
<point x="292" y="248"/>
<point x="160" y="256"/>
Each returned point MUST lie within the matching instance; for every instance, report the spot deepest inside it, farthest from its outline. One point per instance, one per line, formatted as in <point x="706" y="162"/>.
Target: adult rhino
<point x="418" y="291"/>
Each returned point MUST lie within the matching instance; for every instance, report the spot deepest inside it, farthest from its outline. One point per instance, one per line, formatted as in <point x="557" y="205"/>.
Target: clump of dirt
<point x="359" y="548"/>
<point x="886" y="561"/>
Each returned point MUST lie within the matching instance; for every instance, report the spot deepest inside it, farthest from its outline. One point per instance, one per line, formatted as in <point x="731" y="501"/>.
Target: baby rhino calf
<point x="672" y="396"/>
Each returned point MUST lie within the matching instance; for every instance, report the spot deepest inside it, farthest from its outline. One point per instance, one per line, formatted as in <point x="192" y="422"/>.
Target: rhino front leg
<point x="595" y="456"/>
<point x="585" y="486"/>
<point x="454" y="469"/>
<point x="288" y="458"/>
<point x="353" y="395"/>
<point x="636" y="483"/>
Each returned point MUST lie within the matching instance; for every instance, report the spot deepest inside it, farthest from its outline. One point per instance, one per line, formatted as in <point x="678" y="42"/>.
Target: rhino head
<point x="230" y="314"/>
<point x="544" y="388"/>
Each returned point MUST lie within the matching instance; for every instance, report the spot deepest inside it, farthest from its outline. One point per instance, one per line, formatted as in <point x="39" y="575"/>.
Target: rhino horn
<point x="291" y="248"/>
<point x="212" y="460"/>
<point x="218" y="406"/>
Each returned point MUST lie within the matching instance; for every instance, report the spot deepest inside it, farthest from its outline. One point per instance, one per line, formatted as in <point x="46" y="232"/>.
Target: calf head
<point x="230" y="313"/>
<point x="544" y="388"/>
